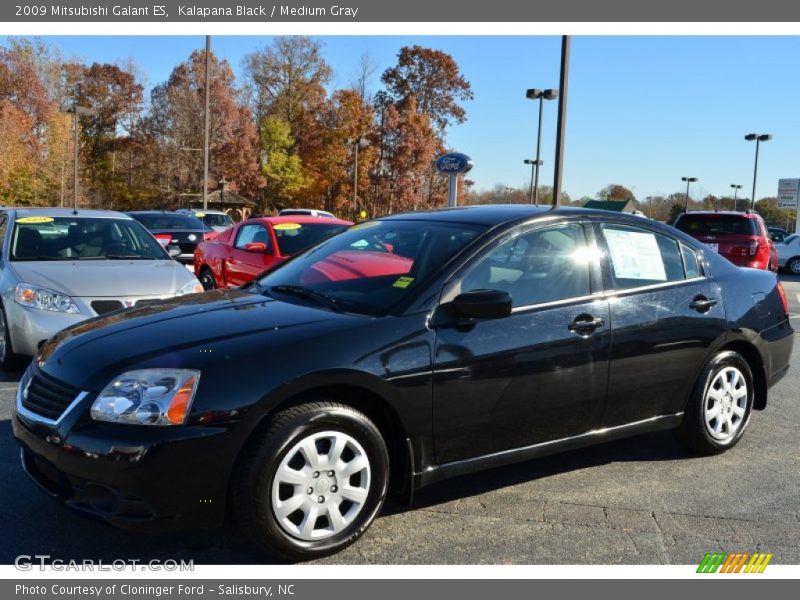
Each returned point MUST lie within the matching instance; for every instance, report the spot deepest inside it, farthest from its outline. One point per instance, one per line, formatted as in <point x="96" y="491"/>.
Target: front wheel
<point x="8" y="360"/>
<point x="793" y="266"/>
<point x="207" y="279"/>
<point x="313" y="483"/>
<point x="719" y="410"/>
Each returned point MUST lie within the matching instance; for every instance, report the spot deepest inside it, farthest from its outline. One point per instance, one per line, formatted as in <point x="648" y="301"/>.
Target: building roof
<point x="614" y="205"/>
<point x="228" y="198"/>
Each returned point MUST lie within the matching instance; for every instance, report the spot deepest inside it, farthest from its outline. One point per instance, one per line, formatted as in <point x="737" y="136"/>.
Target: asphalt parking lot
<point x="643" y="500"/>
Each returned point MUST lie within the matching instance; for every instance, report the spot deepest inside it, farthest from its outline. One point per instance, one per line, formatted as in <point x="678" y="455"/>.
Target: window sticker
<point x="200" y="215"/>
<point x="403" y="282"/>
<point x="635" y="255"/>
<point x="286" y="226"/>
<point x="35" y="220"/>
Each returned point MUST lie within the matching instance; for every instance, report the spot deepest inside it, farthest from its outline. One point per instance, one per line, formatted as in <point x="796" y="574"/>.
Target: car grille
<point x="149" y="301"/>
<point x="102" y="307"/>
<point x="48" y="397"/>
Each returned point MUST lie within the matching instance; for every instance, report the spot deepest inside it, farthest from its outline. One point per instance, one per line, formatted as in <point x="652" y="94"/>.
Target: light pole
<point x="688" y="180"/>
<point x="758" y="137"/>
<point x="561" y="123"/>
<point x="541" y="96"/>
<point x="535" y="164"/>
<point x="736" y="187"/>
<point x="206" y="124"/>
<point x="357" y="143"/>
<point x="78" y="111"/>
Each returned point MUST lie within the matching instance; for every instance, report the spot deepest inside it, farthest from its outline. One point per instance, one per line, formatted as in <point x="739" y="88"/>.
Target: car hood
<point x="105" y="278"/>
<point x="199" y="326"/>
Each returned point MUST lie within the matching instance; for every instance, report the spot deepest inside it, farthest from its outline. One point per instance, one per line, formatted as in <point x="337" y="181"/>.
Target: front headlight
<point x="193" y="287"/>
<point x="34" y="296"/>
<point x="148" y="397"/>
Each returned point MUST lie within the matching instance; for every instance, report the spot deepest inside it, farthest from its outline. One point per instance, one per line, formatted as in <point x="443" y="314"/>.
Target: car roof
<point x="746" y="215"/>
<point x="68" y="212"/>
<point x="301" y="219"/>
<point x="497" y="214"/>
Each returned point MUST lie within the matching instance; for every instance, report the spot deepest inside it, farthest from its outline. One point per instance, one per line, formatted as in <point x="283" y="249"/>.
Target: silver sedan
<point x="59" y="267"/>
<point x="789" y="254"/>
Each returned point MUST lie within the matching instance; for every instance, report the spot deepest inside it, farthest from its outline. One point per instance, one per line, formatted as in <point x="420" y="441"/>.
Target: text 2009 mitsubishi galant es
<point x="405" y="350"/>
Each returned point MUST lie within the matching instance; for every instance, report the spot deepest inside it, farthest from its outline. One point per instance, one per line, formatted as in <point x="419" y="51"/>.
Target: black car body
<point x="449" y="393"/>
<point x="185" y="231"/>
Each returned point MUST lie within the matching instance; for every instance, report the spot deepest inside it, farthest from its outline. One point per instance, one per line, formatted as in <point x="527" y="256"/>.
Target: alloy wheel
<point x="321" y="485"/>
<point x="726" y="404"/>
<point x="794" y="266"/>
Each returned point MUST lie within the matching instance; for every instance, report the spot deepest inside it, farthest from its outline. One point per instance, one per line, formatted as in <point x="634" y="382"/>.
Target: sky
<point x="642" y="111"/>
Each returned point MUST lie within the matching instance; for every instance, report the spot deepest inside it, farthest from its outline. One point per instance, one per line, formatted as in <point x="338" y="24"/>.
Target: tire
<point x="8" y="360"/>
<point x="719" y="408"/>
<point x="207" y="279"/>
<point x="793" y="265"/>
<point x="277" y="516"/>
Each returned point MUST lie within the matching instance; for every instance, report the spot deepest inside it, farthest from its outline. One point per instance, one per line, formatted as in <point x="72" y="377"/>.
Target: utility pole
<point x="206" y="125"/>
<point x="562" y="119"/>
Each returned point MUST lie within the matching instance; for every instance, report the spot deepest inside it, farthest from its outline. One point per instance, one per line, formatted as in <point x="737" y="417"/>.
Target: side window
<point x="540" y="266"/>
<point x="690" y="262"/>
<point x="249" y="234"/>
<point x="640" y="257"/>
<point x="3" y="223"/>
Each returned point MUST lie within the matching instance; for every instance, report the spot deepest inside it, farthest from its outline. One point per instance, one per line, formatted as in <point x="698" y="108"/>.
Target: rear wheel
<point x="793" y="266"/>
<point x="313" y="483"/>
<point x="719" y="410"/>
<point x="207" y="279"/>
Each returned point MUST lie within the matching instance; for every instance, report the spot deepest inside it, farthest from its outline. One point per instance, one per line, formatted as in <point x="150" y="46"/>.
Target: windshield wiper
<point x="299" y="290"/>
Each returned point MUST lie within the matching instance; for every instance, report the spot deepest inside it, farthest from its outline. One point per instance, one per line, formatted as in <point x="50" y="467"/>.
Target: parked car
<point x="742" y="238"/>
<point x="297" y="403"/>
<point x="216" y="219"/>
<point x="777" y="235"/>
<point x="308" y="212"/>
<point x="789" y="254"/>
<point x="59" y="267"/>
<point x="175" y="229"/>
<point x="248" y="249"/>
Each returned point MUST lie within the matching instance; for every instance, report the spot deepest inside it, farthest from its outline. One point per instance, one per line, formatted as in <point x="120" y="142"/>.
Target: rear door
<point x="241" y="265"/>
<point x="666" y="315"/>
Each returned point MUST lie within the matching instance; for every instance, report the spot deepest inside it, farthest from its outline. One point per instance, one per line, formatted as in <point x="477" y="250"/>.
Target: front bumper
<point x="29" y="327"/>
<point x="141" y="478"/>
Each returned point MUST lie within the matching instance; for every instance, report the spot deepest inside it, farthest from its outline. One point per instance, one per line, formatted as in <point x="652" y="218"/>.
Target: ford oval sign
<point x="454" y="163"/>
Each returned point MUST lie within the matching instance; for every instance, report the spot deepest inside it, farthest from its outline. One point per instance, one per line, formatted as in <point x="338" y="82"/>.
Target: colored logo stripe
<point x="734" y="562"/>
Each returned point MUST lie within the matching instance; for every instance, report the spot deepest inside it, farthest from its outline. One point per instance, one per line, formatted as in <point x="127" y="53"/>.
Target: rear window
<point x="169" y="221"/>
<point x="717" y="225"/>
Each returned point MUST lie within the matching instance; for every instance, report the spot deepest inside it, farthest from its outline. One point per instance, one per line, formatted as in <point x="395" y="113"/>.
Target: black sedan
<point x="174" y="229"/>
<point x="404" y="351"/>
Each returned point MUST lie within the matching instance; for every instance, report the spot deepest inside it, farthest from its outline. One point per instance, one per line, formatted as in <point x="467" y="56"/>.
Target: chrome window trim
<point x="31" y="416"/>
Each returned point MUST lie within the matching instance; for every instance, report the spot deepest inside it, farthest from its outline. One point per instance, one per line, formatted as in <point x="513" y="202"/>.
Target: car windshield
<point x="372" y="267"/>
<point x="293" y="238"/>
<point x="215" y="219"/>
<point x="170" y="222"/>
<point x="789" y="239"/>
<point x="716" y="224"/>
<point x="78" y="238"/>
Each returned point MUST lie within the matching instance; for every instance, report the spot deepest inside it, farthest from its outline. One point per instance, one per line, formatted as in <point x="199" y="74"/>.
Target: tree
<point x="282" y="170"/>
<point x="615" y="191"/>
<point x="286" y="78"/>
<point x="176" y="124"/>
<point x="675" y="211"/>
<point x="433" y="78"/>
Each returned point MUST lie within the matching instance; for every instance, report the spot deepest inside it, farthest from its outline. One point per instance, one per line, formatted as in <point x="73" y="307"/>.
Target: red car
<point x="254" y="246"/>
<point x="742" y="238"/>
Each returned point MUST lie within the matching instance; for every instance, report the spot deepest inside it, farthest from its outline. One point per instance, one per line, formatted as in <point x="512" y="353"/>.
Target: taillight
<point x="753" y="247"/>
<point x="164" y="238"/>
<point x="784" y="299"/>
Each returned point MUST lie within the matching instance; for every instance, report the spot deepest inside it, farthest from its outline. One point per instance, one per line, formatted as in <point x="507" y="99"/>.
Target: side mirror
<point x="482" y="304"/>
<point x="174" y="251"/>
<point x="256" y="247"/>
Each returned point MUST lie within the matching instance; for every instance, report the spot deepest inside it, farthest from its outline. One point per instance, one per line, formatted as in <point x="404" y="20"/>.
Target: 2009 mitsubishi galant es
<point x="405" y="350"/>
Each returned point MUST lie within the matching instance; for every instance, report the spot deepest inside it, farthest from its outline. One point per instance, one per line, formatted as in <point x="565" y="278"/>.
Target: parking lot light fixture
<point x="688" y="180"/>
<point x="757" y="138"/>
<point x="736" y="187"/>
<point x="541" y="96"/>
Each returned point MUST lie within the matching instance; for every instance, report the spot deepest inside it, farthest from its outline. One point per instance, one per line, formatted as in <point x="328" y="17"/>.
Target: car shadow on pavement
<point x="644" y="448"/>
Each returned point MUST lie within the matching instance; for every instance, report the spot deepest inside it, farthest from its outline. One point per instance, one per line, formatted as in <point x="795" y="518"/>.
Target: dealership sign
<point x="454" y="163"/>
<point x="788" y="193"/>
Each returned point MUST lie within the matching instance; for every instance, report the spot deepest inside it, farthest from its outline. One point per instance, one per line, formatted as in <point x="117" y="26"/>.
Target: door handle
<point x="702" y="304"/>
<point x="585" y="324"/>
